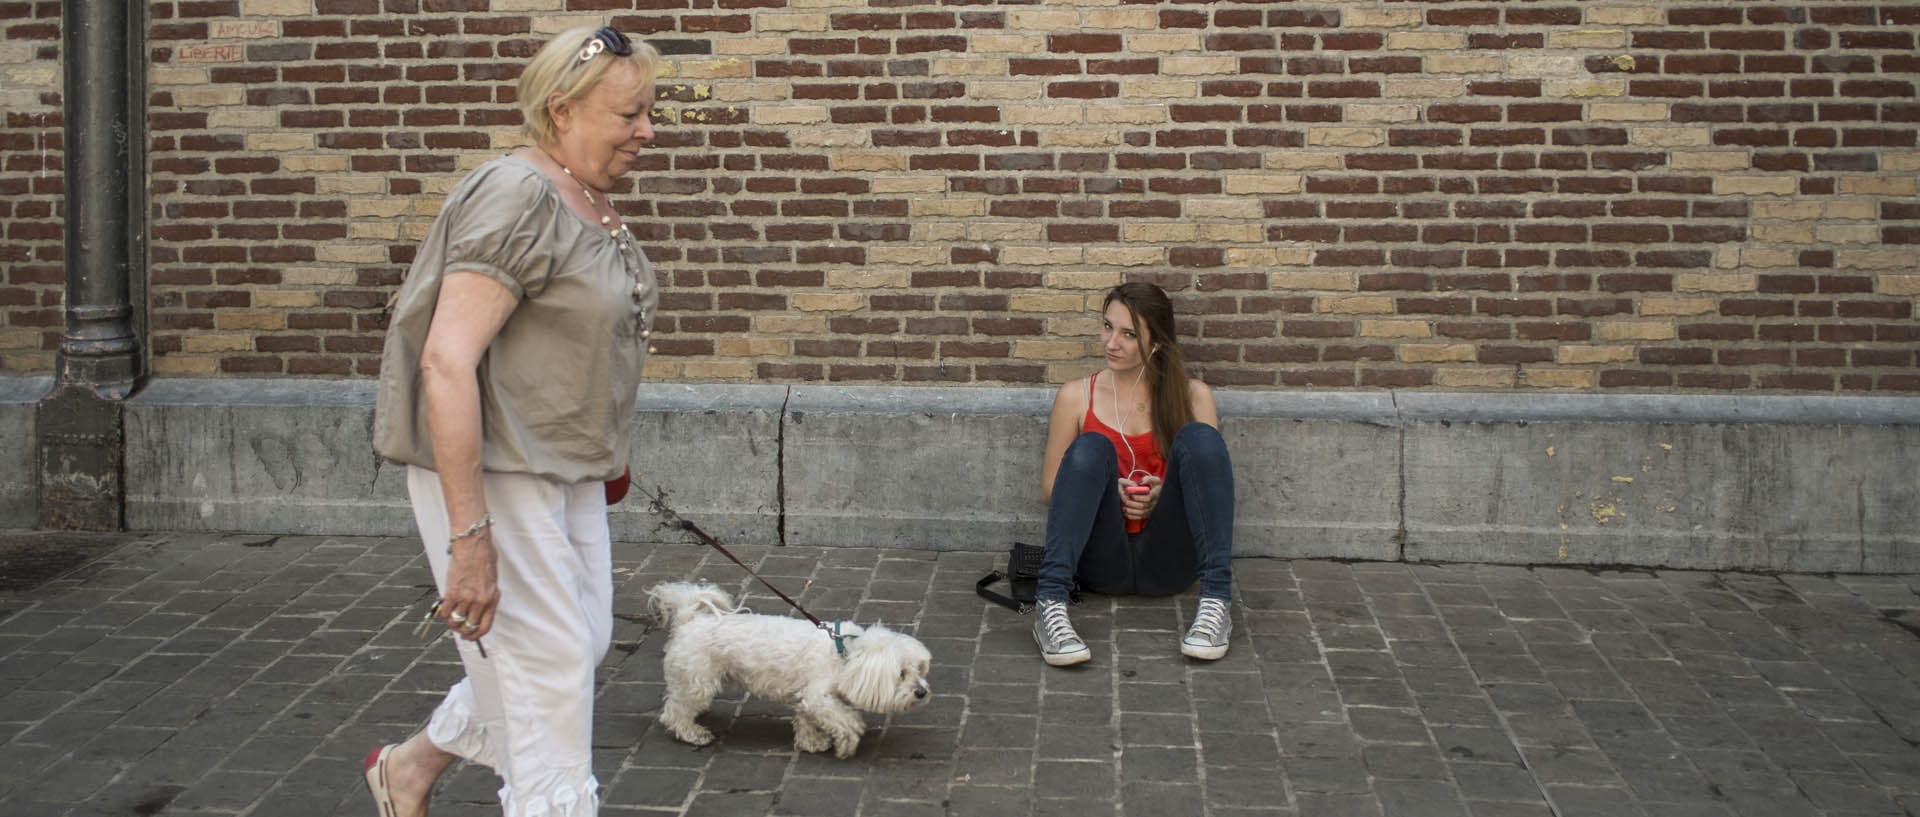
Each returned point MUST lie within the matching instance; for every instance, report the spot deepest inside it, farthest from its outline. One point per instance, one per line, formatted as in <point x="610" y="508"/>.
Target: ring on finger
<point x="457" y="618"/>
<point x="469" y="626"/>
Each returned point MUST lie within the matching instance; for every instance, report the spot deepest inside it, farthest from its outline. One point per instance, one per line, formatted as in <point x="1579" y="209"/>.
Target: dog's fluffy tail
<point x="675" y="603"/>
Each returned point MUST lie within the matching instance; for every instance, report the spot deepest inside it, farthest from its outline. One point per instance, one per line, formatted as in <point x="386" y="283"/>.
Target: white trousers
<point x="526" y="709"/>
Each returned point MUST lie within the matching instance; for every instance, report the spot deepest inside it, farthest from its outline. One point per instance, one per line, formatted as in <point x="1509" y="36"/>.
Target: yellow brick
<point x="1587" y="355"/>
<point x="1624" y="16"/>
<point x="728" y="68"/>
<point x="1048" y="350"/>
<point x="1328" y="281"/>
<point x="1437" y="353"/>
<point x="280" y="142"/>
<point x="1847" y="233"/>
<point x="1162" y="43"/>
<point x="1232" y="233"/>
<point x="790" y="115"/>
<point x="909" y="184"/>
<point x="1224" y="208"/>
<point x="185" y="365"/>
<point x="1726" y="258"/>
<point x="746" y="92"/>
<point x="1155" y="233"/>
<point x="528" y="5"/>
<point x="1755" y="185"/>
<point x="1006" y="231"/>
<point x="1047" y="303"/>
<point x="717" y="369"/>
<point x="1042" y="20"/>
<point x="1250" y="257"/>
<point x="205" y="343"/>
<point x="1058" y="373"/>
<point x="1783" y="233"/>
<point x="378" y="208"/>
<point x="1710" y="160"/>
<point x="363" y="186"/>
<point x="828" y="138"/>
<point x="1381" y="18"/>
<point x="1124" y="257"/>
<point x="752" y="347"/>
<point x="1089" y="138"/>
<point x="1713" y="282"/>
<point x="1346" y="137"/>
<point x="210" y="97"/>
<point x="1426" y="41"/>
<point x="1853" y="210"/>
<point x="1124" y="114"/>
<point x="1423" y="88"/>
<point x="869" y="162"/>
<point x="826" y="302"/>
<point x="174" y="75"/>
<point x="1040" y="256"/>
<point x="1531" y="65"/>
<point x="374" y="230"/>
<point x="1590" y="38"/>
<point x="1159" y="89"/>
<point x="1022" y="44"/>
<point x="1247" y="184"/>
<point x="506" y="139"/>
<point x="250" y="320"/>
<point x="318" y="276"/>
<point x="336" y="253"/>
<point x="1081" y="280"/>
<point x="1670" y="137"/>
<point x="659" y="368"/>
<point x="940" y="232"/>
<point x="1082" y="327"/>
<point x="1395" y="329"/>
<point x="789" y="324"/>
<point x="314" y="164"/>
<point x="1627" y="112"/>
<point x="970" y="67"/>
<point x="1584" y="88"/>
<point x="770" y="21"/>
<point x="867" y="278"/>
<point x="1632" y="330"/>
<point x="1450" y="64"/>
<point x="1876" y="259"/>
<point x="1677" y="305"/>
<point x="1042" y="115"/>
<point x="1899" y="162"/>
<point x="1145" y="19"/>
<point x="1538" y="378"/>
<point x="750" y="47"/>
<point x="416" y="231"/>
<point x="20" y="339"/>
<point x="1897" y="284"/>
<point x="1189" y="66"/>
<point x="556" y="23"/>
<point x="1359" y="112"/>
<point x="1768" y="257"/>
<point x="1357" y="304"/>
<point x="948" y="208"/>
<point x="1877" y="185"/>
<point x="1011" y="90"/>
<point x="1297" y="160"/>
<point x="275" y="8"/>
<point x="1786" y="210"/>
<point x="1458" y="378"/>
<point x="285" y="298"/>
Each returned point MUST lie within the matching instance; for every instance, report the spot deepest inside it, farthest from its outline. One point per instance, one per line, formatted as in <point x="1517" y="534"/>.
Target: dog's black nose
<point x="920" y="693"/>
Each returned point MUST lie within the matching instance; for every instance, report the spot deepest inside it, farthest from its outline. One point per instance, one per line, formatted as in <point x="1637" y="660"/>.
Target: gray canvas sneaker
<point x="1059" y="644"/>
<point x="1207" y="638"/>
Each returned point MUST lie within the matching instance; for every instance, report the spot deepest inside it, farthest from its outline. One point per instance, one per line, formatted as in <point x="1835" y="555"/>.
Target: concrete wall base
<point x="1711" y="482"/>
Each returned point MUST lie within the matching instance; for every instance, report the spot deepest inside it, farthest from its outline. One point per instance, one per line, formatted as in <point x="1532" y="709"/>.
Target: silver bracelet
<point x="485" y="521"/>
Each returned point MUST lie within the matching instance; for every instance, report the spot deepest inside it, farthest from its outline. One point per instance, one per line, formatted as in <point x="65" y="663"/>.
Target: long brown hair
<point x="1166" y="365"/>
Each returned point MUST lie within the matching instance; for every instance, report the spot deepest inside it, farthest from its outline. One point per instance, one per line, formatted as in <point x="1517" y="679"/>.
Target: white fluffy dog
<point x="782" y="659"/>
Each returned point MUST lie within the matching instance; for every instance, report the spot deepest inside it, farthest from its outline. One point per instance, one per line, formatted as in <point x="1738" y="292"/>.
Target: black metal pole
<point x="99" y="365"/>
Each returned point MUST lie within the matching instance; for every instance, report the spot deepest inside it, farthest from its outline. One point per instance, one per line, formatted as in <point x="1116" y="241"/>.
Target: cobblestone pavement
<point x="228" y="675"/>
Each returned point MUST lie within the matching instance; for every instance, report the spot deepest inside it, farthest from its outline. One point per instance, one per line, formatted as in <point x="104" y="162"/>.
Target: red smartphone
<point x="1139" y="489"/>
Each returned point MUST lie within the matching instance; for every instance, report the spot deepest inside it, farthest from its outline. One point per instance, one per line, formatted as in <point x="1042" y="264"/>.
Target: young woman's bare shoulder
<point x="1198" y="388"/>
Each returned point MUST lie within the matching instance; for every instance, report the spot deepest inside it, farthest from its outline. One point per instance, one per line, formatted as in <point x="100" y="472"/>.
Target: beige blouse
<point x="557" y="384"/>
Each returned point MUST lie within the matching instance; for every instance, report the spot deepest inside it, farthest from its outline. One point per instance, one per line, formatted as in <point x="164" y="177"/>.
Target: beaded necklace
<point x="623" y="239"/>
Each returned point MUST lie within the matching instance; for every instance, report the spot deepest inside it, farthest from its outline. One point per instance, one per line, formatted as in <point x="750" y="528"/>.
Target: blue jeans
<point x="1189" y="535"/>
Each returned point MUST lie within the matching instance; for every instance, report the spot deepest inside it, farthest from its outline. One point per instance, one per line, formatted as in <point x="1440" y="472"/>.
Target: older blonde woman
<point x="506" y="388"/>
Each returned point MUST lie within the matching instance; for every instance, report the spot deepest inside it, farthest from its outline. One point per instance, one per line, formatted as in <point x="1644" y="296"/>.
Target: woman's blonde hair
<point x="558" y="69"/>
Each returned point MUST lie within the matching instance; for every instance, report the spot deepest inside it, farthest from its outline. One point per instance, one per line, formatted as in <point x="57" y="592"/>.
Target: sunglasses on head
<point x="606" y="39"/>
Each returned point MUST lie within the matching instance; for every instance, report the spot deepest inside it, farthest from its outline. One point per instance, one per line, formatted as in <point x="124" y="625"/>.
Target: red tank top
<point x="1135" y="452"/>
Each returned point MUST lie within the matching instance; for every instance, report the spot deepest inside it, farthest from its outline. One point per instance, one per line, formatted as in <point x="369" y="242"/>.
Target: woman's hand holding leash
<point x="473" y="587"/>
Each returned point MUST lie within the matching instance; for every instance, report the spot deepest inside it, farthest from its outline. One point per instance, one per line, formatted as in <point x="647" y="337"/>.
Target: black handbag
<point x="1023" y="579"/>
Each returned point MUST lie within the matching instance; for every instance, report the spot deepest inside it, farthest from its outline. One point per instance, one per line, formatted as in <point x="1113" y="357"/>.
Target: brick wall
<point x="1630" y="195"/>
